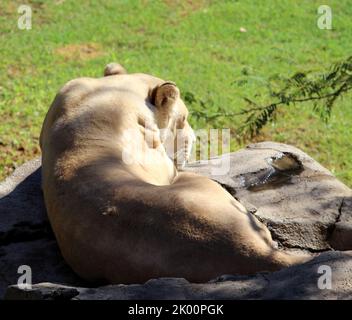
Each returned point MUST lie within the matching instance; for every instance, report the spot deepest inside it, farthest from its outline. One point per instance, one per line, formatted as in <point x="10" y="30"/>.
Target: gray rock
<point x="298" y="282"/>
<point x="302" y="203"/>
<point x="21" y="204"/>
<point x="25" y="234"/>
<point x="341" y="236"/>
<point x="307" y="209"/>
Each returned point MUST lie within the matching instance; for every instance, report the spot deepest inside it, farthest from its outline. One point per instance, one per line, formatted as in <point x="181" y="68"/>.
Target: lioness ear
<point x="113" y="69"/>
<point x="164" y="96"/>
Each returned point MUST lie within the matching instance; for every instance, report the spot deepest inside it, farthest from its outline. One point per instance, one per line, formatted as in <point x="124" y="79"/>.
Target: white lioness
<point x="129" y="221"/>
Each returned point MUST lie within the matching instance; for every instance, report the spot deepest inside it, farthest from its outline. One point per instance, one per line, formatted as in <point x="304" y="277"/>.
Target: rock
<point x="25" y="234"/>
<point x="42" y="291"/>
<point x="21" y="204"/>
<point x="305" y="208"/>
<point x="302" y="203"/>
<point x="298" y="282"/>
<point x="341" y="236"/>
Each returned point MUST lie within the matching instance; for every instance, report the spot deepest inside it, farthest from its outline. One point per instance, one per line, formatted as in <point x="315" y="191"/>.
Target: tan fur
<point x="127" y="223"/>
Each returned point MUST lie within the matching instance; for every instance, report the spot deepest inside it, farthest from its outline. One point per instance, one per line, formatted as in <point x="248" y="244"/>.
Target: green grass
<point x="197" y="44"/>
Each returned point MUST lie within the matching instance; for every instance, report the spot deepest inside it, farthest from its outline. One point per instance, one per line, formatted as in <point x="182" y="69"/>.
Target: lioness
<point x="120" y="221"/>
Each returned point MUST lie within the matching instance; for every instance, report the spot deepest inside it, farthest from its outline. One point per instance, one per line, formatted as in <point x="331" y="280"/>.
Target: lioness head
<point x="171" y="116"/>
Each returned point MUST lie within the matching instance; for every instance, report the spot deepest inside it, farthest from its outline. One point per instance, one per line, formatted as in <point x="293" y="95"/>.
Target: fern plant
<point x="323" y="89"/>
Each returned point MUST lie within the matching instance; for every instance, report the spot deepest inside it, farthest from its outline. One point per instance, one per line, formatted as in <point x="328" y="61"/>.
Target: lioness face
<point x="171" y="115"/>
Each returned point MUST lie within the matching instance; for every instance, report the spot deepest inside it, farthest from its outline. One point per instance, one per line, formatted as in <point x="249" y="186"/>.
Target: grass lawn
<point x="197" y="44"/>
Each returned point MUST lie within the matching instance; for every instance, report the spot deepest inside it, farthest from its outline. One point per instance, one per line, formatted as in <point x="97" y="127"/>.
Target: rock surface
<point x="25" y="234"/>
<point x="309" y="209"/>
<point x="298" y="282"/>
<point x="302" y="203"/>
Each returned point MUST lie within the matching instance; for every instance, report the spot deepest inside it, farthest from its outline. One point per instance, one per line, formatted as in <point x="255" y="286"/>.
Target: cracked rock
<point x="341" y="235"/>
<point x="300" y="207"/>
